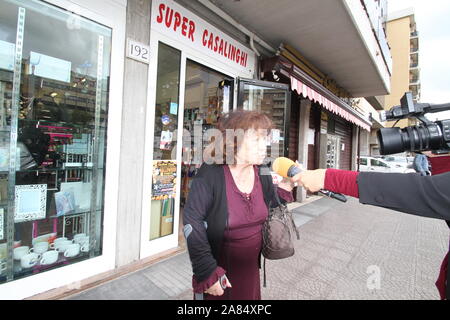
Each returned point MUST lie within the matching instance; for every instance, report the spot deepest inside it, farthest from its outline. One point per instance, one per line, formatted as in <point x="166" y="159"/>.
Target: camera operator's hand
<point x="312" y="180"/>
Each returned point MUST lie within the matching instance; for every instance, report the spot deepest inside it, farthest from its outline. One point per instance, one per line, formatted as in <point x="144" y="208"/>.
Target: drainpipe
<point x="252" y="45"/>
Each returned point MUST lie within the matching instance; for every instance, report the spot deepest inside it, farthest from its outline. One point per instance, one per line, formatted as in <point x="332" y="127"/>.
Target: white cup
<point x="72" y="250"/>
<point x="61" y="246"/>
<point x="57" y="241"/>
<point x="40" y="247"/>
<point x="78" y="237"/>
<point x="29" y="260"/>
<point x="19" y="252"/>
<point x="49" y="257"/>
<point x="84" y="246"/>
<point x="81" y="240"/>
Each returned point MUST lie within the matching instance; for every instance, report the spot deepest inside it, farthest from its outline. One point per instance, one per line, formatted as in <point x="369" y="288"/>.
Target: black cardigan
<point x="205" y="216"/>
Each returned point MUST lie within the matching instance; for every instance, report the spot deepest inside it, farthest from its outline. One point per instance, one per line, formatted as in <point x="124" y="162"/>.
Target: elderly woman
<point x="227" y="205"/>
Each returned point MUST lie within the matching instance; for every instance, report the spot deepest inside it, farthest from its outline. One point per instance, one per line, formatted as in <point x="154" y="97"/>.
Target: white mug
<point x="81" y="240"/>
<point x="72" y="250"/>
<point x="61" y="246"/>
<point x="57" y="241"/>
<point x="49" y="257"/>
<point x="79" y="236"/>
<point x="39" y="247"/>
<point x="29" y="260"/>
<point x="19" y="252"/>
<point x="84" y="247"/>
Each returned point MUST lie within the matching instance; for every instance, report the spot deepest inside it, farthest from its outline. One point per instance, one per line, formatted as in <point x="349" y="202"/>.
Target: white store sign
<point x="174" y="21"/>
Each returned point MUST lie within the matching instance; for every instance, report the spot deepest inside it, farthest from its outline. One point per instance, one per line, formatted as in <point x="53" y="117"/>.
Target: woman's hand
<point x="311" y="180"/>
<point x="286" y="184"/>
<point x="216" y="289"/>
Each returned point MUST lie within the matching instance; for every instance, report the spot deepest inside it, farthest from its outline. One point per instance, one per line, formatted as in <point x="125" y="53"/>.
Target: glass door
<point x="273" y="99"/>
<point x="208" y="94"/>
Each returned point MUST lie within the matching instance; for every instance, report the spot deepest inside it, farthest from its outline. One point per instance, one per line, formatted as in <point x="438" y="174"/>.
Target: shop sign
<point x="173" y="20"/>
<point x="164" y="179"/>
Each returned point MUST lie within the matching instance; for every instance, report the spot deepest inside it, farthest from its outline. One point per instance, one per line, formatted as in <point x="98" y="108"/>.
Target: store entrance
<point x="208" y="94"/>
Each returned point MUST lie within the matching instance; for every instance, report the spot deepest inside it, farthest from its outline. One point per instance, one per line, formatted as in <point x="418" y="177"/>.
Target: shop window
<point x="54" y="82"/>
<point x="165" y="134"/>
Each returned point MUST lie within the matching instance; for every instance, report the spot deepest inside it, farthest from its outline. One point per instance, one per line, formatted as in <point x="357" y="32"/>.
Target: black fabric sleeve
<point x="194" y="220"/>
<point x="426" y="196"/>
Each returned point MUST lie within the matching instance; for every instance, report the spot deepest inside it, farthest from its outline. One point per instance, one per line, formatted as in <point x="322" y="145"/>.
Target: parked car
<point x="372" y="164"/>
<point x="400" y="160"/>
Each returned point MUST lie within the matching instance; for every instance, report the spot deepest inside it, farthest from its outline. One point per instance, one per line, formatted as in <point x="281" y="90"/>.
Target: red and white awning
<point x="313" y="95"/>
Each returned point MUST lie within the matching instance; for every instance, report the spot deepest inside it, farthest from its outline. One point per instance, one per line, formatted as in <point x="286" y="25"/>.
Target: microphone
<point x="286" y="168"/>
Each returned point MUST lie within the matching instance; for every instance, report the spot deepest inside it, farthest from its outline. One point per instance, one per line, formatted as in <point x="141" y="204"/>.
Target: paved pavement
<point x="346" y="251"/>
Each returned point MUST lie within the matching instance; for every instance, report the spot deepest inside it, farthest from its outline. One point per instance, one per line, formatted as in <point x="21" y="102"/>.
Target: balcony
<point x="414" y="34"/>
<point x="414" y="81"/>
<point x="414" y="88"/>
<point x="414" y="50"/>
<point x="414" y="73"/>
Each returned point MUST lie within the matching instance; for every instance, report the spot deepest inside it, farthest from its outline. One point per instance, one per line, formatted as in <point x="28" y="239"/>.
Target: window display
<point x="54" y="82"/>
<point x="164" y="151"/>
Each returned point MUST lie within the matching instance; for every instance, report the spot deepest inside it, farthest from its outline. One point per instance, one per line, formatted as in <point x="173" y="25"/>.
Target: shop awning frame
<point x="313" y="95"/>
<point x="309" y="88"/>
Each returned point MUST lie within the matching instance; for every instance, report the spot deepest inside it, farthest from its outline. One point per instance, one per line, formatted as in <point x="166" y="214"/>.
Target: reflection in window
<point x="272" y="102"/>
<point x="167" y="92"/>
<point x="166" y="124"/>
<point x="53" y="197"/>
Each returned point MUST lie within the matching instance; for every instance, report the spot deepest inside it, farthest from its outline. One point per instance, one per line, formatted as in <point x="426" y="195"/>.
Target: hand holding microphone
<point x="312" y="180"/>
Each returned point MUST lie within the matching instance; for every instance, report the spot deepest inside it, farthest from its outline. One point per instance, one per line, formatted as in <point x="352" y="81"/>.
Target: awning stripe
<point x="313" y="95"/>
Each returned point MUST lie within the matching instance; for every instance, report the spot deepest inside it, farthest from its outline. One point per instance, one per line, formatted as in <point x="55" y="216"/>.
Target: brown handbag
<point x="278" y="234"/>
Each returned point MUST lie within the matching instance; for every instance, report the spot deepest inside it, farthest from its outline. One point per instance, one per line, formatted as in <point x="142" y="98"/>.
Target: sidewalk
<point x="342" y="247"/>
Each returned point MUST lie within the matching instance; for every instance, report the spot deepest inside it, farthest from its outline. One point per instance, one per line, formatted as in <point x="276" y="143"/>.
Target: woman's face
<point x="253" y="149"/>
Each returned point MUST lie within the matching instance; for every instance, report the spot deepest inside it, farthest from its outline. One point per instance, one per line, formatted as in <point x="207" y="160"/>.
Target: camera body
<point x="428" y="136"/>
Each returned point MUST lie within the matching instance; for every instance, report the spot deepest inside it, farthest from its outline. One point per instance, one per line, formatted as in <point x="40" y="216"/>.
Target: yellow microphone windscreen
<point x="281" y="166"/>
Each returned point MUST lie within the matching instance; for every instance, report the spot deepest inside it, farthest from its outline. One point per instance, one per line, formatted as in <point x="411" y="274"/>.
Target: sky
<point x="433" y="25"/>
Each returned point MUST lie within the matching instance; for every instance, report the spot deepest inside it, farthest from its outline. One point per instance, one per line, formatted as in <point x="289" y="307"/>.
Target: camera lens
<point x="415" y="138"/>
<point x="390" y="140"/>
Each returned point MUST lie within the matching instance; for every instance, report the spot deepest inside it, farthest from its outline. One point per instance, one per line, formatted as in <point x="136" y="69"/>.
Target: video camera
<point x="428" y="136"/>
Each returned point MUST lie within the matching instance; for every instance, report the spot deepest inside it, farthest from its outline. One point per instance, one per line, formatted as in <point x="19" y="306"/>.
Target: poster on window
<point x="166" y="140"/>
<point x="30" y="202"/>
<point x="164" y="179"/>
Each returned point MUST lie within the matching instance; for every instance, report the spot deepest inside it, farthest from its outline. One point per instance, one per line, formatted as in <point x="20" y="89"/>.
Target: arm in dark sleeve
<point x="194" y="219"/>
<point x="426" y="196"/>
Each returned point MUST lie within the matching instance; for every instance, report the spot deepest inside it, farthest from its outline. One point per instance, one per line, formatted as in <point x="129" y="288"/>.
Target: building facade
<point x="403" y="38"/>
<point x="106" y="104"/>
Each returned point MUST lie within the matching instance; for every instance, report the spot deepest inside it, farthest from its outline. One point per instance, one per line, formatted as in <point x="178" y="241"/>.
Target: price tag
<point x="138" y="51"/>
